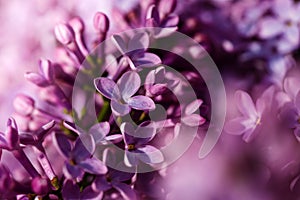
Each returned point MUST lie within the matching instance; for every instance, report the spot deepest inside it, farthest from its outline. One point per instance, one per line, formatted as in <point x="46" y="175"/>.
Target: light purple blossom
<point x="251" y="118"/>
<point x="137" y="147"/>
<point x="135" y="50"/>
<point x="121" y="93"/>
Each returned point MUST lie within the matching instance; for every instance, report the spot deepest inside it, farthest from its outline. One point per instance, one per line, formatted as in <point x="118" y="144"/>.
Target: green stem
<point x="103" y="111"/>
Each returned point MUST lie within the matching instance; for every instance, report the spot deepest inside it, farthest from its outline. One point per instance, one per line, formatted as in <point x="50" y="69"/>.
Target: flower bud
<point x="166" y="7"/>
<point x="64" y="33"/>
<point x="23" y="104"/>
<point x="101" y="22"/>
<point x="46" y="69"/>
<point x="40" y="185"/>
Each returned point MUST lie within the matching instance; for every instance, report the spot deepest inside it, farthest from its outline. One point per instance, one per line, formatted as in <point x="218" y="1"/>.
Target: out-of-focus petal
<point x="270" y="27"/>
<point x="193" y="106"/>
<point x="150" y="155"/>
<point x="245" y="103"/>
<point x="235" y="126"/>
<point x="193" y="120"/>
<point x="141" y="103"/>
<point x="36" y="79"/>
<point x="70" y="190"/>
<point x="119" y="109"/>
<point x="170" y="21"/>
<point x="130" y="159"/>
<point x="120" y="44"/>
<point x="107" y="88"/>
<point x="129" y="84"/>
<point x="291" y="86"/>
<point x="297" y="102"/>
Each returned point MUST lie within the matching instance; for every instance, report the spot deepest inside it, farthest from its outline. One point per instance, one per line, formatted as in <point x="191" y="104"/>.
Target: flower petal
<point x="193" y="106"/>
<point x="270" y="27"/>
<point x="114" y="138"/>
<point x="140" y="41"/>
<point x="101" y="184"/>
<point x="291" y="86"/>
<point x="99" y="131"/>
<point x="297" y="102"/>
<point x="120" y="44"/>
<point x="3" y="142"/>
<point x="93" y="166"/>
<point x="193" y="120"/>
<point x="119" y="109"/>
<point x="146" y="60"/>
<point x="73" y="171"/>
<point x="107" y="88"/>
<point x="130" y="159"/>
<point x="80" y="151"/>
<point x="90" y="194"/>
<point x="245" y="104"/>
<point x="129" y="84"/>
<point x="126" y="191"/>
<point x="144" y="133"/>
<point x="128" y="132"/>
<point x="36" y="79"/>
<point x="62" y="144"/>
<point x="141" y="103"/>
<point x="70" y="190"/>
<point x="170" y="21"/>
<point x="150" y="155"/>
<point x="235" y="126"/>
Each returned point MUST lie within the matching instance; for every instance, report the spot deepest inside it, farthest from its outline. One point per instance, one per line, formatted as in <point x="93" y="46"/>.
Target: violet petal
<point x="107" y="88"/>
<point x="150" y="155"/>
<point x="119" y="109"/>
<point x="140" y="102"/>
<point x="129" y="84"/>
<point x="93" y="166"/>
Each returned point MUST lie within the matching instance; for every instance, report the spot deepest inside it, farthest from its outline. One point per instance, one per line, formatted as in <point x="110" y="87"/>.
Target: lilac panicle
<point x="136" y="144"/>
<point x="121" y="93"/>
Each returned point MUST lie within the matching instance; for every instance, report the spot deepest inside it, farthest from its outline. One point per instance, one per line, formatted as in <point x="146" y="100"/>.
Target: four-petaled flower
<point x="78" y="158"/>
<point x="121" y="93"/>
<point x="136" y="144"/>
<point x="251" y="117"/>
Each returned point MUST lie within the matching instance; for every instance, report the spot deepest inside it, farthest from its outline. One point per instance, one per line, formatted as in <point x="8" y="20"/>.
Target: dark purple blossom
<point x="121" y="93"/>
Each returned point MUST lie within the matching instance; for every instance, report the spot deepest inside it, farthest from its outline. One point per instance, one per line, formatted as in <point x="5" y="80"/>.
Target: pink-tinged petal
<point x="245" y="104"/>
<point x="36" y="79"/>
<point x="297" y="102"/>
<point x="282" y="98"/>
<point x="193" y="120"/>
<point x="64" y="33"/>
<point x="151" y="23"/>
<point x="119" y="109"/>
<point x="40" y="185"/>
<point x="46" y="69"/>
<point x="70" y="190"/>
<point x="107" y="88"/>
<point x="147" y="60"/>
<point x="140" y="102"/>
<point x="101" y="184"/>
<point x="84" y="148"/>
<point x="93" y="166"/>
<point x="170" y="21"/>
<point x="73" y="171"/>
<point x="291" y="86"/>
<point x="270" y="27"/>
<point x="90" y="194"/>
<point x="144" y="133"/>
<point x="140" y="41"/>
<point x="152" y="13"/>
<point x="99" y="131"/>
<point x="193" y="106"/>
<point x="235" y="126"/>
<point x="150" y="155"/>
<point x="130" y="159"/>
<point x="167" y="6"/>
<point x="158" y="89"/>
<point x="12" y="134"/>
<point x="101" y="22"/>
<point x="129" y="84"/>
<point x="249" y="134"/>
<point x="260" y="106"/>
<point x="160" y="74"/>
<point x="24" y="104"/>
<point x="126" y="191"/>
<point x="62" y="144"/>
<point x="292" y="34"/>
<point x="120" y="44"/>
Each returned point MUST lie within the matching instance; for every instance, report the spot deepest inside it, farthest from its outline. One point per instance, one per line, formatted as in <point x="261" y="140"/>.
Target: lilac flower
<point x="115" y="180"/>
<point x="136" y="144"/>
<point x="121" y="93"/>
<point x="135" y="51"/>
<point x="78" y="158"/>
<point x="165" y="20"/>
<point x="251" y="118"/>
<point x="10" y="139"/>
<point x="156" y="82"/>
<point x="189" y="117"/>
<point x="98" y="132"/>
